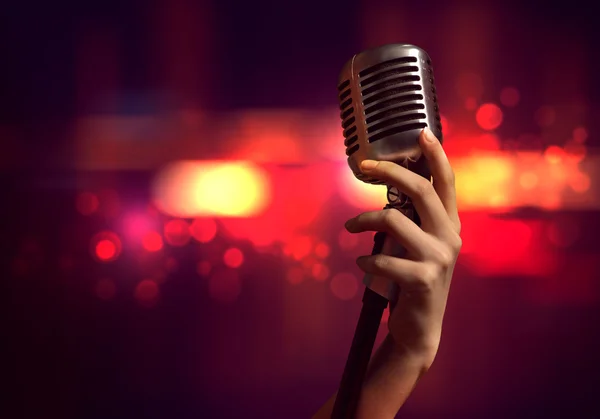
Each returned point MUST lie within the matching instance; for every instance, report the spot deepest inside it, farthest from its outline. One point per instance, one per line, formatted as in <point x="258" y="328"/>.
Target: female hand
<point x="425" y="273"/>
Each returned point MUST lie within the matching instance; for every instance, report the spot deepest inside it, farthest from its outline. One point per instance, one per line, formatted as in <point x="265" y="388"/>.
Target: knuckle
<point x="428" y="275"/>
<point x="423" y="188"/>
<point x="389" y="217"/>
<point x="444" y="256"/>
<point x="456" y="243"/>
<point x="380" y="262"/>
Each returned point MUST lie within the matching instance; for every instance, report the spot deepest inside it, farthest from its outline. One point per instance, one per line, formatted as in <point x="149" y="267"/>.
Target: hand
<point x="424" y="275"/>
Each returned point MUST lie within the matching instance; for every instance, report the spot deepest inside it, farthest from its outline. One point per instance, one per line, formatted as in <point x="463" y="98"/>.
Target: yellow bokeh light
<point x="212" y="188"/>
<point x="360" y="194"/>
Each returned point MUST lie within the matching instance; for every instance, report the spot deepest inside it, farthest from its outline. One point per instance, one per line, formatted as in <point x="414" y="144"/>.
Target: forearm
<point x="391" y="377"/>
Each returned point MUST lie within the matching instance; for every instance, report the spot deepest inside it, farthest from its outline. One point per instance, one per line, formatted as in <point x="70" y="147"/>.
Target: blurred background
<point x="174" y="191"/>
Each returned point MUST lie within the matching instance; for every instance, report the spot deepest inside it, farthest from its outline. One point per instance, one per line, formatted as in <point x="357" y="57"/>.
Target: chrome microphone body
<point x="387" y="97"/>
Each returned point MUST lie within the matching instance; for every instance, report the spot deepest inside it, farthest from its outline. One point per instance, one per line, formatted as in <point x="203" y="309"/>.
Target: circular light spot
<point x="105" y="289"/>
<point x="489" y="116"/>
<point x="177" y="232"/>
<point x="344" y="286"/>
<point x="509" y="96"/>
<point x="320" y="272"/>
<point x="152" y="241"/>
<point x="233" y="257"/>
<point x="545" y="116"/>
<point x="203" y="230"/>
<point x="528" y="180"/>
<point x="106" y="246"/>
<point x="87" y="203"/>
<point x="295" y="275"/>
<point x="203" y="268"/>
<point x="322" y="250"/>
<point x="225" y="286"/>
<point x="147" y="293"/>
<point x="300" y="247"/>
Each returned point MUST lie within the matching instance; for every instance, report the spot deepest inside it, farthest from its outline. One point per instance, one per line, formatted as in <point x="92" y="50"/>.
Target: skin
<point x="424" y="276"/>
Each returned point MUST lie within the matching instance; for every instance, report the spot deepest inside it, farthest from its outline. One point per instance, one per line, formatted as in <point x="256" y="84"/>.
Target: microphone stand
<point x="346" y="401"/>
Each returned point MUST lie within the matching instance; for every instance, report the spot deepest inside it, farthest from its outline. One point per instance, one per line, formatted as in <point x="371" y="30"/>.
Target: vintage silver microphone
<point x="387" y="96"/>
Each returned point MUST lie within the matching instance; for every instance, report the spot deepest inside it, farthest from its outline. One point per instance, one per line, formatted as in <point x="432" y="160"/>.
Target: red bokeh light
<point x="147" y="293"/>
<point x="225" y="286"/>
<point x="203" y="230"/>
<point x="177" y="232"/>
<point x="344" y="286"/>
<point x="489" y="116"/>
<point x="105" y="289"/>
<point x="445" y="125"/>
<point x="320" y="272"/>
<point x="233" y="257"/>
<point x="152" y="241"/>
<point x="509" y="96"/>
<point x="554" y="154"/>
<point x="106" y="246"/>
<point x="322" y="250"/>
<point x="87" y="203"/>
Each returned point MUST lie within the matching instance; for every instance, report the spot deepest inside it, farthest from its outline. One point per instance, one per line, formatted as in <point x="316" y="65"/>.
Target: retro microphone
<point x="387" y="96"/>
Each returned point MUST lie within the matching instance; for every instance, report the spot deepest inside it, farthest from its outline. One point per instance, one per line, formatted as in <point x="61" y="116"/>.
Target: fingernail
<point x="368" y="164"/>
<point x="428" y="135"/>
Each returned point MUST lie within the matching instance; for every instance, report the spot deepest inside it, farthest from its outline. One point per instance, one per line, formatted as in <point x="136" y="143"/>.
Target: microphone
<point x="387" y="96"/>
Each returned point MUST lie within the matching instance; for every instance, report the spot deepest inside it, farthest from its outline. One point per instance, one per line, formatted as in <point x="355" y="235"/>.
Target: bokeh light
<point x="106" y="246"/>
<point x="177" y="232"/>
<point x="147" y="293"/>
<point x="203" y="230"/>
<point x="87" y="203"/>
<point x="233" y="257"/>
<point x="152" y="241"/>
<point x="344" y="286"/>
<point x="489" y="116"/>
<point x="212" y="188"/>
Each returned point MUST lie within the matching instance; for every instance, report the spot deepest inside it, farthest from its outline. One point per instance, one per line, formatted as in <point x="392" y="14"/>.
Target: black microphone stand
<point x="346" y="402"/>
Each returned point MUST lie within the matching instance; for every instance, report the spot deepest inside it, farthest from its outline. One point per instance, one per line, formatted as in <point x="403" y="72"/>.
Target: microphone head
<point x="387" y="96"/>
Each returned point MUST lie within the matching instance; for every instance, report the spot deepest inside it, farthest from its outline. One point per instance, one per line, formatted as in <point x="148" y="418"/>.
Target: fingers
<point x="410" y="275"/>
<point x="443" y="175"/>
<point x="401" y="228"/>
<point x="424" y="197"/>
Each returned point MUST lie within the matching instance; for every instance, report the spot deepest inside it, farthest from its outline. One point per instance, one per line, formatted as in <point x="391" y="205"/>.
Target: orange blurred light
<point x="344" y="286"/>
<point x="528" y="180"/>
<point x="489" y="116"/>
<point x="106" y="246"/>
<point x="212" y="188"/>
<point x="580" y="182"/>
<point x="233" y="257"/>
<point x="87" y="203"/>
<point x="177" y="232"/>
<point x="152" y="241"/>
<point x="203" y="230"/>
<point x="360" y="194"/>
<point x="554" y="154"/>
<point x="147" y="293"/>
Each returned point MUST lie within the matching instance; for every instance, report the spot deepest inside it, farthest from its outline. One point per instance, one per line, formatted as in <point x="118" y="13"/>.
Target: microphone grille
<point x="387" y="96"/>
